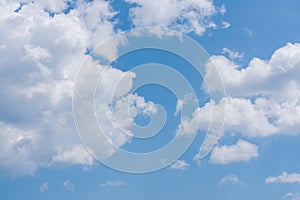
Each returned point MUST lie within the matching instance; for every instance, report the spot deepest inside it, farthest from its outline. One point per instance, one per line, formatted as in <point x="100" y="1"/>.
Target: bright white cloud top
<point x="196" y="14"/>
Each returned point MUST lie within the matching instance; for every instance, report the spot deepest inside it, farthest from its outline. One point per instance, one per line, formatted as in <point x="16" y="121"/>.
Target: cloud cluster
<point x="262" y="98"/>
<point x="184" y="15"/>
<point x="42" y="46"/>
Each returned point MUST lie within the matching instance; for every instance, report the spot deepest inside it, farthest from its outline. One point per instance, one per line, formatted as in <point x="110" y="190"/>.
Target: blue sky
<point x="253" y="44"/>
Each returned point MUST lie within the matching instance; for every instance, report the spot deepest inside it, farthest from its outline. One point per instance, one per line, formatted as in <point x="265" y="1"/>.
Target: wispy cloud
<point x="233" y="55"/>
<point x="292" y="196"/>
<point x="68" y="185"/>
<point x="232" y="178"/>
<point x="44" y="187"/>
<point x="248" y="31"/>
<point x="117" y="183"/>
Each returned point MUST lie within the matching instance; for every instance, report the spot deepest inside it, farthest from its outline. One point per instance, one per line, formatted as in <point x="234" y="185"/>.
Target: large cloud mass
<point x="42" y="46"/>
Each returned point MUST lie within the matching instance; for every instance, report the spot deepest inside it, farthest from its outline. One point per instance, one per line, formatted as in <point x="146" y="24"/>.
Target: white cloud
<point x="40" y="58"/>
<point x="128" y="107"/>
<point x="116" y="108"/>
<point x="97" y="17"/>
<point x="242" y="151"/>
<point x="225" y="24"/>
<point x="248" y="31"/>
<point x="44" y="187"/>
<point x="232" y="178"/>
<point x="273" y="85"/>
<point x="68" y="185"/>
<point x="284" y="178"/>
<point x="181" y="102"/>
<point x="292" y="196"/>
<point x="262" y="99"/>
<point x="283" y="67"/>
<point x="179" y="105"/>
<point x="55" y="6"/>
<point x="76" y="155"/>
<point x="180" y="165"/>
<point x="17" y="147"/>
<point x="113" y="183"/>
<point x="243" y="116"/>
<point x="232" y="54"/>
<point x="184" y="15"/>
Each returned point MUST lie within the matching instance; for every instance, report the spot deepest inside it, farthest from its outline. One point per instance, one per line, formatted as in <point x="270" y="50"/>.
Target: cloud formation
<point x="242" y="151"/>
<point x="284" y="178"/>
<point x="262" y="98"/>
<point x="184" y="15"/>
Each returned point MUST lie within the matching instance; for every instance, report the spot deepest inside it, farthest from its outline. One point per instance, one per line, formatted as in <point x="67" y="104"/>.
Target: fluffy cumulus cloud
<point x="43" y="44"/>
<point x="258" y="78"/>
<point x="242" y="151"/>
<point x="284" y="178"/>
<point x="42" y="47"/>
<point x="183" y="15"/>
<point x="266" y="93"/>
<point x="262" y="98"/>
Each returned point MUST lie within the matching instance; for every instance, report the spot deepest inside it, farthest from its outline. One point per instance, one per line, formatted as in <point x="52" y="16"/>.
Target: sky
<point x="45" y="48"/>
